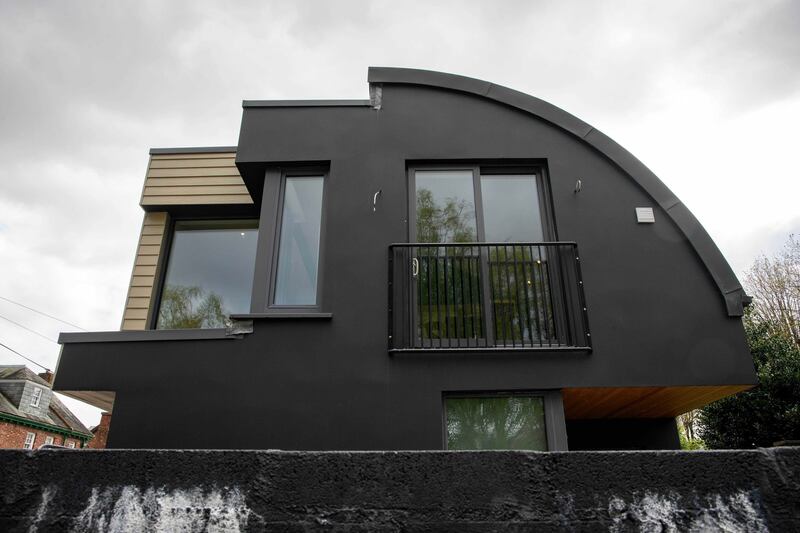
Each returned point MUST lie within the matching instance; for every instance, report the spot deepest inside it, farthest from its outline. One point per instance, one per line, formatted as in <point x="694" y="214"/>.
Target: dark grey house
<point x="450" y="264"/>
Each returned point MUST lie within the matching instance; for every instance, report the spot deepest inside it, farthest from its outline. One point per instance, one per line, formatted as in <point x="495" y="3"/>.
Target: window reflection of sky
<point x="511" y="208"/>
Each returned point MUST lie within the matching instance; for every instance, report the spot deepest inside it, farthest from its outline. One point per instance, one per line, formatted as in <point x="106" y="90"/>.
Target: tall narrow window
<point x="298" y="251"/>
<point x="30" y="438"/>
<point x="209" y="273"/>
<point x="37" y="397"/>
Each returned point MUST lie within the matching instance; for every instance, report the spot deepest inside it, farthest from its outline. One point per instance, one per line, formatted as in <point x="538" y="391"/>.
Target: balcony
<point x="461" y="297"/>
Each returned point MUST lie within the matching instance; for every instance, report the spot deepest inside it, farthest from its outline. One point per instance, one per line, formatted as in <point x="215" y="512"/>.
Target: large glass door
<point x="492" y="294"/>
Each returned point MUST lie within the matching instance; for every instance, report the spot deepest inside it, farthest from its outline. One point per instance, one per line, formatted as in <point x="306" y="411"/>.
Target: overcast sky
<point x="707" y="94"/>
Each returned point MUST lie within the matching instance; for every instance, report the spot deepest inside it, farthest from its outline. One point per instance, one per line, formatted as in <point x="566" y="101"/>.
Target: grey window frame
<point x="554" y="421"/>
<point x="489" y="168"/>
<point x="269" y="235"/>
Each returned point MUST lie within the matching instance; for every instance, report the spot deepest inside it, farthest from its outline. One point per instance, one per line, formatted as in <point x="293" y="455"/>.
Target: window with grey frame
<point x="288" y="274"/>
<point x="209" y="273"/>
<point x="482" y="273"/>
<point x="524" y="420"/>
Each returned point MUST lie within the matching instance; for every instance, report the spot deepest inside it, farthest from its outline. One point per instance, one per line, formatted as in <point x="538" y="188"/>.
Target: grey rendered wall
<point x="656" y="316"/>
<point x="412" y="491"/>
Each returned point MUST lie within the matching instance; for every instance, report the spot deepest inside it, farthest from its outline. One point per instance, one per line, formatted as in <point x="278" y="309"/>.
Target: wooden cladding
<point x="194" y="179"/>
<point x="145" y="267"/>
<point x="641" y="402"/>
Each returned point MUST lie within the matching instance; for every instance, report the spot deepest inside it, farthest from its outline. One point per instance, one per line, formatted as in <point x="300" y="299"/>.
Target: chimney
<point x="47" y="376"/>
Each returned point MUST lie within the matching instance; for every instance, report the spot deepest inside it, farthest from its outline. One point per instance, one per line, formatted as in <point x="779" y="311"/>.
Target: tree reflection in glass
<point x="496" y="423"/>
<point x="190" y="307"/>
<point x="209" y="273"/>
<point x="448" y="282"/>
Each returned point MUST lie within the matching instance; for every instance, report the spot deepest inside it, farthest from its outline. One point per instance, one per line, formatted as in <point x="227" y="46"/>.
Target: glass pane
<point x="447" y="282"/>
<point x="501" y="423"/>
<point x="511" y="208"/>
<point x="445" y="206"/>
<point x="209" y="273"/>
<point x="298" y="255"/>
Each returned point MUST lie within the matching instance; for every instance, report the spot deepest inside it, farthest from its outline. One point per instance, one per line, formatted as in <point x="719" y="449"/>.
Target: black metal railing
<point x="486" y="296"/>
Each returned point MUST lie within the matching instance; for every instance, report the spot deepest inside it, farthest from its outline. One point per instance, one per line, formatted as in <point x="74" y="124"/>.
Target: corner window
<point x="37" y="397"/>
<point x="297" y="263"/>
<point x="30" y="438"/>
<point x="209" y="273"/>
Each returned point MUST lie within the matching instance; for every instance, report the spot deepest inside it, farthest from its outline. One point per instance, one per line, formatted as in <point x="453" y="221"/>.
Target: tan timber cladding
<point x="143" y="279"/>
<point x="194" y="179"/>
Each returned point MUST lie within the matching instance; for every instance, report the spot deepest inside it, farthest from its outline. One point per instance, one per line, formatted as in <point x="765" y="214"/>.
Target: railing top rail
<point x="476" y="244"/>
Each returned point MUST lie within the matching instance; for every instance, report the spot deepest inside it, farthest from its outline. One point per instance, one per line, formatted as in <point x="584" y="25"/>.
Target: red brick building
<point x="100" y="432"/>
<point x="32" y="416"/>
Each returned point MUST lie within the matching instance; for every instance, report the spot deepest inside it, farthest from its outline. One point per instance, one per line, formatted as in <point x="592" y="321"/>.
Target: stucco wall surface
<point x="123" y="490"/>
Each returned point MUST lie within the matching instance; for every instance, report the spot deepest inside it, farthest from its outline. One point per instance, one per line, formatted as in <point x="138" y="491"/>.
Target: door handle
<point x="415" y="267"/>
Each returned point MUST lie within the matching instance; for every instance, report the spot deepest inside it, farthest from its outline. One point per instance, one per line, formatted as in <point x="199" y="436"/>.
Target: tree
<point x="775" y="286"/>
<point x="452" y="222"/>
<point x="190" y="307"/>
<point x="771" y="411"/>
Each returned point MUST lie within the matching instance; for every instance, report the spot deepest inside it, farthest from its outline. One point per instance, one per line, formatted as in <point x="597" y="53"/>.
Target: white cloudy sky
<point x="707" y="94"/>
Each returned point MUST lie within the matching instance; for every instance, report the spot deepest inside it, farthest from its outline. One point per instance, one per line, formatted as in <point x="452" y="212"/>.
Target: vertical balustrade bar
<point x="463" y="299"/>
<point x="506" y="265"/>
<point x="471" y="300"/>
<point x="550" y="320"/>
<point x="538" y="288"/>
<point x="519" y="303"/>
<point x="526" y="290"/>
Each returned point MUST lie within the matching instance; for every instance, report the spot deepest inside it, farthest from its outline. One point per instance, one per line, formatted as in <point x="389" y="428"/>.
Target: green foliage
<point x="452" y="222"/>
<point x="510" y="423"/>
<point x="190" y="308"/>
<point x="771" y="411"/>
<point x="689" y="443"/>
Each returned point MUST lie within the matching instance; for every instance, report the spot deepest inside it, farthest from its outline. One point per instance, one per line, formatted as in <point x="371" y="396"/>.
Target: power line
<point x="41" y="313"/>
<point x="45" y="337"/>
<point x="25" y="357"/>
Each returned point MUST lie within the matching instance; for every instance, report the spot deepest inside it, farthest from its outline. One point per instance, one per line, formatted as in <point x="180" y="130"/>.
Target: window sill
<point x="146" y="335"/>
<point x="284" y="315"/>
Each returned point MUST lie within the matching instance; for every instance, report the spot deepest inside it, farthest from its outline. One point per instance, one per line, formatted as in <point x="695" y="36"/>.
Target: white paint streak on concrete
<point x="47" y="495"/>
<point x="194" y="510"/>
<point x="655" y="512"/>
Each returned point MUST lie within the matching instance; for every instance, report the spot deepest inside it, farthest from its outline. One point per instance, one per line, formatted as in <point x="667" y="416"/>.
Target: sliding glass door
<point x="497" y="293"/>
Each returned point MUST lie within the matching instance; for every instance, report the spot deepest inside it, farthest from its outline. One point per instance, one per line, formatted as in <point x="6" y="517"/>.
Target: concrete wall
<point x="115" y="490"/>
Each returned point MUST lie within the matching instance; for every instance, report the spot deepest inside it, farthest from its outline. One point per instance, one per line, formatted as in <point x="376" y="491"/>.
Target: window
<point x="30" y="438"/>
<point x="37" y="397"/>
<point x="495" y="294"/>
<point x="496" y="423"/>
<point x="71" y="444"/>
<point x="48" y="440"/>
<point x="297" y="265"/>
<point x="209" y="273"/>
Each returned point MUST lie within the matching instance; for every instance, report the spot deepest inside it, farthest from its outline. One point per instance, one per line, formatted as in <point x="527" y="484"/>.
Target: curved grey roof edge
<point x="716" y="264"/>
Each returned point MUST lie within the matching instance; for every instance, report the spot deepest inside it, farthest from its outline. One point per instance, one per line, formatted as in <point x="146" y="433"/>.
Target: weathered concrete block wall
<point x="120" y="490"/>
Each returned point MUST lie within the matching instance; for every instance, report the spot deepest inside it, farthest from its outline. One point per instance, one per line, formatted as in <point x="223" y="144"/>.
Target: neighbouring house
<point x="100" y="432"/>
<point x="449" y="264"/>
<point x="32" y="416"/>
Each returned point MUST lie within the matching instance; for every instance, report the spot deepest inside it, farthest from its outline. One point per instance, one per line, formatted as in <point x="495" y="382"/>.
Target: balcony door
<point x="492" y="294"/>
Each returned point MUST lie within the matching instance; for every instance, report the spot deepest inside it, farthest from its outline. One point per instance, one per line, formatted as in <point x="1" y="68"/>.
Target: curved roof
<point x="710" y="255"/>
